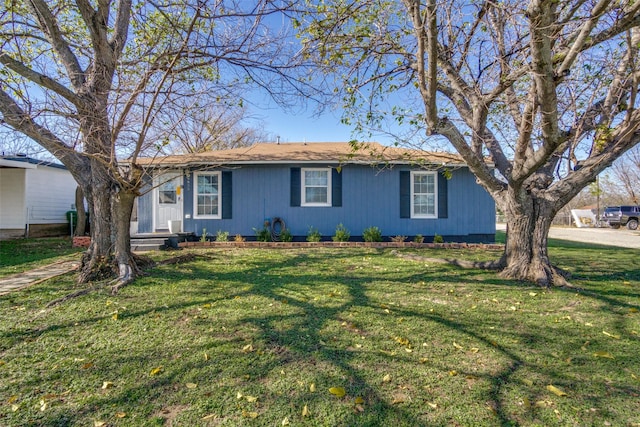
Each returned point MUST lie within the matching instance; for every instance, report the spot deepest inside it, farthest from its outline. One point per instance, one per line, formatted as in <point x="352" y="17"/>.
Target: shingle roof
<point x="312" y="152"/>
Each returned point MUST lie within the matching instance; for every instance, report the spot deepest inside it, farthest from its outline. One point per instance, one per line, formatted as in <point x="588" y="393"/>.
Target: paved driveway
<point x="603" y="236"/>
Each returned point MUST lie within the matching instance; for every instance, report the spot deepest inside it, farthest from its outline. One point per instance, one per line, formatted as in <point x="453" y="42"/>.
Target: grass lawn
<point x="329" y="337"/>
<point x="21" y="255"/>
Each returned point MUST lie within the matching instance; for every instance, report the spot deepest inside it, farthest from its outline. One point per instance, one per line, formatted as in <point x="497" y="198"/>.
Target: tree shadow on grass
<point x="297" y="332"/>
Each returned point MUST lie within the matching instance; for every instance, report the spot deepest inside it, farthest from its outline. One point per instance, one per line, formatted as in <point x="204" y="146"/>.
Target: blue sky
<point x="303" y="126"/>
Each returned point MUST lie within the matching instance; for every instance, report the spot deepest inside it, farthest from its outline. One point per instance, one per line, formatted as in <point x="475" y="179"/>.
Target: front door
<point x="168" y="199"/>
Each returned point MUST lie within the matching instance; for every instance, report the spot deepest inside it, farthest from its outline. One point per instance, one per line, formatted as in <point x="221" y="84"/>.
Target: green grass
<point x="251" y="337"/>
<point x="17" y="256"/>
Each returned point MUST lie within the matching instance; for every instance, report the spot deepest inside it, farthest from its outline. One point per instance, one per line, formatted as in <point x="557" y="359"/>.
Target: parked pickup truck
<point x="617" y="216"/>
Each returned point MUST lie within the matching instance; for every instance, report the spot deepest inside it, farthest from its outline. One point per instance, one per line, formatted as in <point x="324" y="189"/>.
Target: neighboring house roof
<point x="23" y="162"/>
<point x="312" y="152"/>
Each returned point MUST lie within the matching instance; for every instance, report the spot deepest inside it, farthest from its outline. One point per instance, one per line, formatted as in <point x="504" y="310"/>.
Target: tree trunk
<point x="81" y="226"/>
<point x="122" y="207"/>
<point x="97" y="261"/>
<point x="525" y="255"/>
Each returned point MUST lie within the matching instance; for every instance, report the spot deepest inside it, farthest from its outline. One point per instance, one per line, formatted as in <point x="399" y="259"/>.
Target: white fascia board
<point x="15" y="164"/>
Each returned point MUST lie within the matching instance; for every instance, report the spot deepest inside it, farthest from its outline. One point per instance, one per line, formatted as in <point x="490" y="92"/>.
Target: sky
<point x="303" y="127"/>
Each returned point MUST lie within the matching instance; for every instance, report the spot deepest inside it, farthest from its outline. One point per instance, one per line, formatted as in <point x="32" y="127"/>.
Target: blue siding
<point x="370" y="197"/>
<point x="145" y="207"/>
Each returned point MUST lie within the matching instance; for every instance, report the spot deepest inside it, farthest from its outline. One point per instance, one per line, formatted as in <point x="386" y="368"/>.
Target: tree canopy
<point x="537" y="96"/>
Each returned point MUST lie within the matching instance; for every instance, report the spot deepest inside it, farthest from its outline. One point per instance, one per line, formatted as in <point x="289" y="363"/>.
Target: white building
<point x="34" y="197"/>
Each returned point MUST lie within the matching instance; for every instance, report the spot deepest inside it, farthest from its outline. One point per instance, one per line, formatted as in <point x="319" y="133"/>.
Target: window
<point x="167" y="193"/>
<point x="207" y="195"/>
<point x="316" y="187"/>
<point x="424" y="195"/>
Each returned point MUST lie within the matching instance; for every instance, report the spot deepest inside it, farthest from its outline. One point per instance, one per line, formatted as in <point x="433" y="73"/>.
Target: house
<point x="34" y="197"/>
<point x="320" y="185"/>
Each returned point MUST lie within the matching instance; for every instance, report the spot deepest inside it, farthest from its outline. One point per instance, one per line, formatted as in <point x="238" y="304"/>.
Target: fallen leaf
<point x="87" y="365"/>
<point x="532" y="294"/>
<point x="474" y="349"/>
<point x="359" y="408"/>
<point x="432" y="405"/>
<point x="604" y="354"/>
<point x="400" y="398"/>
<point x="14" y="398"/>
<point x="453" y="373"/>
<point x="114" y="315"/>
<point x="14" y="407"/>
<point x="251" y="398"/>
<point x="43" y="405"/>
<point x="338" y="391"/>
<point x="206" y="356"/>
<point x="458" y="346"/>
<point x="248" y="414"/>
<point x="97" y="423"/>
<point x="208" y="417"/>
<point x="633" y="310"/>
<point x="247" y="348"/>
<point x="359" y="400"/>
<point x="156" y="371"/>
<point x="106" y="385"/>
<point x="611" y="335"/>
<point x="305" y="411"/>
<point x="192" y="385"/>
<point x="528" y="382"/>
<point x="312" y="387"/>
<point x="555" y="390"/>
<point x="285" y="421"/>
<point x="424" y="360"/>
<point x="121" y="414"/>
<point x="386" y="378"/>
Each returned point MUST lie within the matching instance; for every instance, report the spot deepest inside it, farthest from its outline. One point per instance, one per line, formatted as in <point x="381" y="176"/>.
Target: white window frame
<point x="195" y="195"/>
<point x="435" y="194"/>
<point x="303" y="187"/>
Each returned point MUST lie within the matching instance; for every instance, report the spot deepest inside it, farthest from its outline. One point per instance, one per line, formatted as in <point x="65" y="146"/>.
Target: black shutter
<point x="336" y="188"/>
<point x="295" y="186"/>
<point x="443" y="198"/>
<point x="227" y="198"/>
<point x="405" y="194"/>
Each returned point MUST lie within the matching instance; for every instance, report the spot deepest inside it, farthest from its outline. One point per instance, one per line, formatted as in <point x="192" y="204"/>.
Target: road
<point x="622" y="237"/>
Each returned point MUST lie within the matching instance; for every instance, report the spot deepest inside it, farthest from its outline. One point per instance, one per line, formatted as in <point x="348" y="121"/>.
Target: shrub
<point x="313" y="235"/>
<point x="238" y="238"/>
<point x="438" y="239"/>
<point x="419" y="238"/>
<point x="398" y="239"/>
<point x="342" y="234"/>
<point x="263" y="234"/>
<point x="372" y="234"/>
<point x="286" y="235"/>
<point x="222" y="236"/>
<point x="203" y="238"/>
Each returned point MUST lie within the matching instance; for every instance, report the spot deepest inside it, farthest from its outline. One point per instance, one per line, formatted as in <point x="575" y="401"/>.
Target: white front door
<point x="168" y="199"/>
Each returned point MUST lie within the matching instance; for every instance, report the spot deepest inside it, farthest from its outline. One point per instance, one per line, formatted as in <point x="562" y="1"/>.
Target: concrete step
<point x="145" y="247"/>
<point x="150" y="241"/>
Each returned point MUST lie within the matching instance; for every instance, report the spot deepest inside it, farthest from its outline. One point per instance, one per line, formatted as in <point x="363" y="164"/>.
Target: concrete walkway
<point x="28" y="278"/>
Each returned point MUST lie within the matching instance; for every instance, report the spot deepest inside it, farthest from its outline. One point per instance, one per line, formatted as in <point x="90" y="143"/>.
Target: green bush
<point x="313" y="235"/>
<point x="342" y="234"/>
<point x="222" y="236"/>
<point x="372" y="234"/>
<point x="263" y="234"/>
<point x="203" y="238"/>
<point x="438" y="239"/>
<point x="419" y="238"/>
<point x="286" y="236"/>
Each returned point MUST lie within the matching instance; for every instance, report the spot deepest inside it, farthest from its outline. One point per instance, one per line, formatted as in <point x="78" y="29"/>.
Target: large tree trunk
<point x="525" y="255"/>
<point x="122" y="207"/>
<point x="97" y="261"/>
<point x="81" y="226"/>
